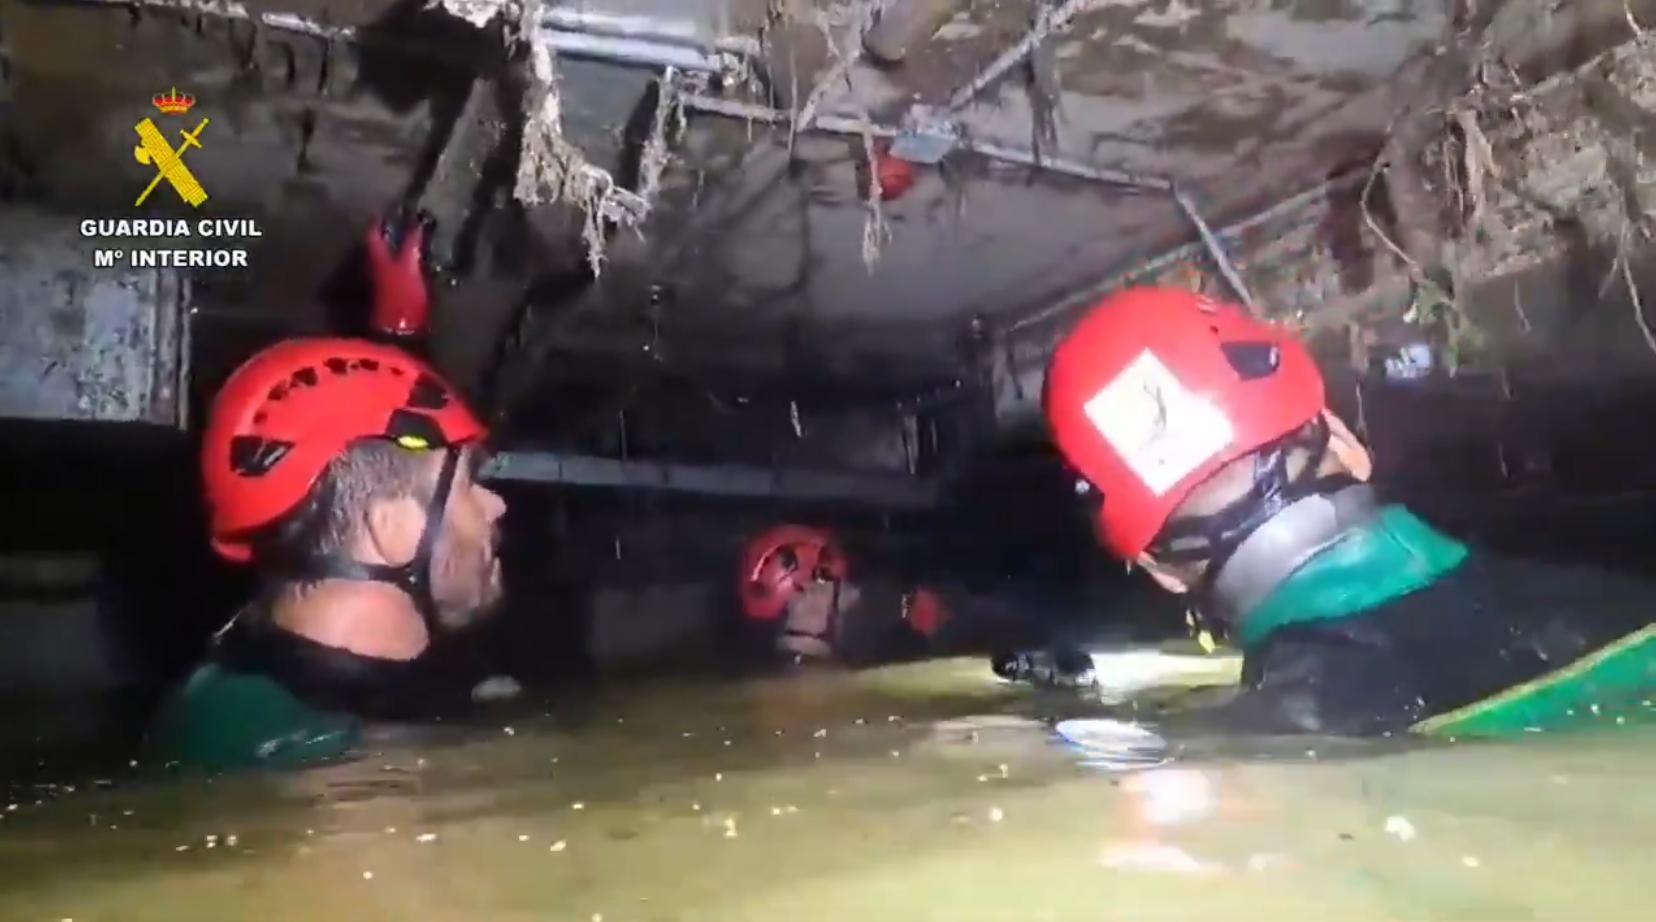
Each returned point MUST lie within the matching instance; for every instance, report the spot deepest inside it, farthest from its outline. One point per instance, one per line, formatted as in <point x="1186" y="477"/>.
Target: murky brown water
<point x="843" y="797"/>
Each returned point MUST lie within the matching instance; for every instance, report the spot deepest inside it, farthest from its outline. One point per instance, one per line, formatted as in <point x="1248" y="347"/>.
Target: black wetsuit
<point x="431" y="688"/>
<point x="1396" y="627"/>
<point x="1489" y="626"/>
<point x="266" y="697"/>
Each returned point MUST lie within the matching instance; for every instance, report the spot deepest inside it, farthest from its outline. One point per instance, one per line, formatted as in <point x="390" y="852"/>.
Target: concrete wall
<point x="675" y="623"/>
<point x="58" y="633"/>
<point x="68" y="667"/>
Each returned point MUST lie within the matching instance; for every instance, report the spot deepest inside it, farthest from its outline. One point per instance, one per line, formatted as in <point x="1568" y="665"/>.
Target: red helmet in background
<point x="1156" y="389"/>
<point x="290" y="410"/>
<point x="780" y="563"/>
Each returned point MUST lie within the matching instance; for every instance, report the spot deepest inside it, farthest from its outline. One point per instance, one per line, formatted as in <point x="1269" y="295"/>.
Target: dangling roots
<point x="843" y="26"/>
<point x="550" y="169"/>
<point x="553" y="170"/>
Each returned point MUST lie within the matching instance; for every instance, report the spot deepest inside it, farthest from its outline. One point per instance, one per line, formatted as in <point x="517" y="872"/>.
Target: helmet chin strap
<point x="1256" y="543"/>
<point x="413" y="577"/>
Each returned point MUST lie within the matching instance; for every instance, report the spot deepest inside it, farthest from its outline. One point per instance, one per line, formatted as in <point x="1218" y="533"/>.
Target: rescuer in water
<point x="1217" y="468"/>
<point x="346" y="472"/>
<point x="799" y="595"/>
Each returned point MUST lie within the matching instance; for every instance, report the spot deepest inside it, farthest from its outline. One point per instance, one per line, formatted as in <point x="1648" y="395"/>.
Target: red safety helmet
<point x="782" y="562"/>
<point x="1156" y="389"/>
<point x="294" y="407"/>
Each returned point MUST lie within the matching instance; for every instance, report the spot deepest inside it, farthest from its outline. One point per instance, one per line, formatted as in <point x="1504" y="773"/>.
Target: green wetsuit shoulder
<point x="222" y="720"/>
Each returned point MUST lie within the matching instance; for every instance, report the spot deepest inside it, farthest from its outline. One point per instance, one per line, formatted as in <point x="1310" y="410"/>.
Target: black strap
<point x="413" y="577"/>
<point x="1215" y="537"/>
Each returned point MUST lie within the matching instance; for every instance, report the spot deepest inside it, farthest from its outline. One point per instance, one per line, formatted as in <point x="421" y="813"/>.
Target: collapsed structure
<point x="1487" y="154"/>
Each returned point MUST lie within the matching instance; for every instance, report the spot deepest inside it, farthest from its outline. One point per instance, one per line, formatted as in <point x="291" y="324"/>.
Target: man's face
<point x="465" y="568"/>
<point x="811" y="614"/>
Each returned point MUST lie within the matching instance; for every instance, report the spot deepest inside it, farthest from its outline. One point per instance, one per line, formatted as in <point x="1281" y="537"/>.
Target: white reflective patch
<point x="1159" y="428"/>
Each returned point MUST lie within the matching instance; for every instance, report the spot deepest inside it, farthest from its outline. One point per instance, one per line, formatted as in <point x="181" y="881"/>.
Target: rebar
<point x="1012" y="57"/>
<point x="1215" y="250"/>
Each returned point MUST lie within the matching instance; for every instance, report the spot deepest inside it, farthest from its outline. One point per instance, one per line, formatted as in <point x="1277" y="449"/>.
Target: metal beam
<point x="870" y="488"/>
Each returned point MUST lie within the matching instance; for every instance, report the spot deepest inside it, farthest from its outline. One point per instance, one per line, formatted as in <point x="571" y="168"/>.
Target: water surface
<point x="926" y="793"/>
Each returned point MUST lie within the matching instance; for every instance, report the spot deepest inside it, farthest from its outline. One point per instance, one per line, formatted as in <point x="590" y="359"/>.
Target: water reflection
<point x="835" y="797"/>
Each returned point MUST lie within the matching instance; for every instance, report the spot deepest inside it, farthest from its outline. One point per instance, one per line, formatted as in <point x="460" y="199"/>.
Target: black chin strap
<point x="413" y="577"/>
<point x="1215" y="538"/>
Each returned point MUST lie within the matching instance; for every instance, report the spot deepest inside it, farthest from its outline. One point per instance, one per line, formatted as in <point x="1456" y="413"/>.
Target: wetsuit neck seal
<point x="1274" y="551"/>
<point x="413" y="577"/>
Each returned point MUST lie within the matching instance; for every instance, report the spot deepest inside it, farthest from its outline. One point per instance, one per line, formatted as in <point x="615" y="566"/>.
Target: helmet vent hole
<point x="1252" y="361"/>
<point x="787" y="559"/>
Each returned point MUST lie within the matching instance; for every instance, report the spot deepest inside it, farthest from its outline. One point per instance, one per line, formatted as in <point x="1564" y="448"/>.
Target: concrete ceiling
<point x="750" y="248"/>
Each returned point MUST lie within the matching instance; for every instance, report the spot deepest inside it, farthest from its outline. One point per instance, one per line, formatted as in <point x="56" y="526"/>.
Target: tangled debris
<point x="1483" y="175"/>
<point x="1514" y="177"/>
<point x="549" y="167"/>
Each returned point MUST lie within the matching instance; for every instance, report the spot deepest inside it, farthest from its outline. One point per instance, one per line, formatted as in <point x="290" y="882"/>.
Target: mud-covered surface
<point x="760" y="248"/>
<point x="316" y="135"/>
<point x="923" y="795"/>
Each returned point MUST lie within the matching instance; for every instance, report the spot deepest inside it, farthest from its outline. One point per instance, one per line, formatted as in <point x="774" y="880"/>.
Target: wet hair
<point x="333" y="514"/>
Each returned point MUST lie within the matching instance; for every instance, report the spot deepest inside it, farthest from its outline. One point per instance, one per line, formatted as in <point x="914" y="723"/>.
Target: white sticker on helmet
<point x="1161" y="430"/>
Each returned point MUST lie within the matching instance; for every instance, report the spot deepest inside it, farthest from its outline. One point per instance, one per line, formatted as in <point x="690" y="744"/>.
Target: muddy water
<point x="833" y="798"/>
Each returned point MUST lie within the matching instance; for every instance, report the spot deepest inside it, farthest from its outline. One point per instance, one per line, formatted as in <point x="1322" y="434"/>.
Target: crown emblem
<point x="173" y="102"/>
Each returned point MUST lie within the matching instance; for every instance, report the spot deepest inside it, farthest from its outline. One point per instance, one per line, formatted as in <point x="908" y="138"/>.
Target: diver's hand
<point x="496" y="688"/>
<point x="401" y="273"/>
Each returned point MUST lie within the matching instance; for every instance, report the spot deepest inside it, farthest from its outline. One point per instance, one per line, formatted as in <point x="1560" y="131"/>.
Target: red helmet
<point x="1156" y="389"/>
<point x="783" y="561"/>
<point x="294" y="407"/>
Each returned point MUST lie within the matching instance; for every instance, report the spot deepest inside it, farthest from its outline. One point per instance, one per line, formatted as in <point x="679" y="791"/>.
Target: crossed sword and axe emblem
<point x="169" y="163"/>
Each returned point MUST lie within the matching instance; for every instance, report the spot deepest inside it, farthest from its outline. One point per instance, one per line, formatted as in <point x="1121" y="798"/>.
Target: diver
<point x="347" y="473"/>
<point x="1213" y="464"/>
<point x="801" y="600"/>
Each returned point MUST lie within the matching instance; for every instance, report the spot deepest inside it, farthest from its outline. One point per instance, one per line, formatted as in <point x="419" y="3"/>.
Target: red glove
<point x="400" y="273"/>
